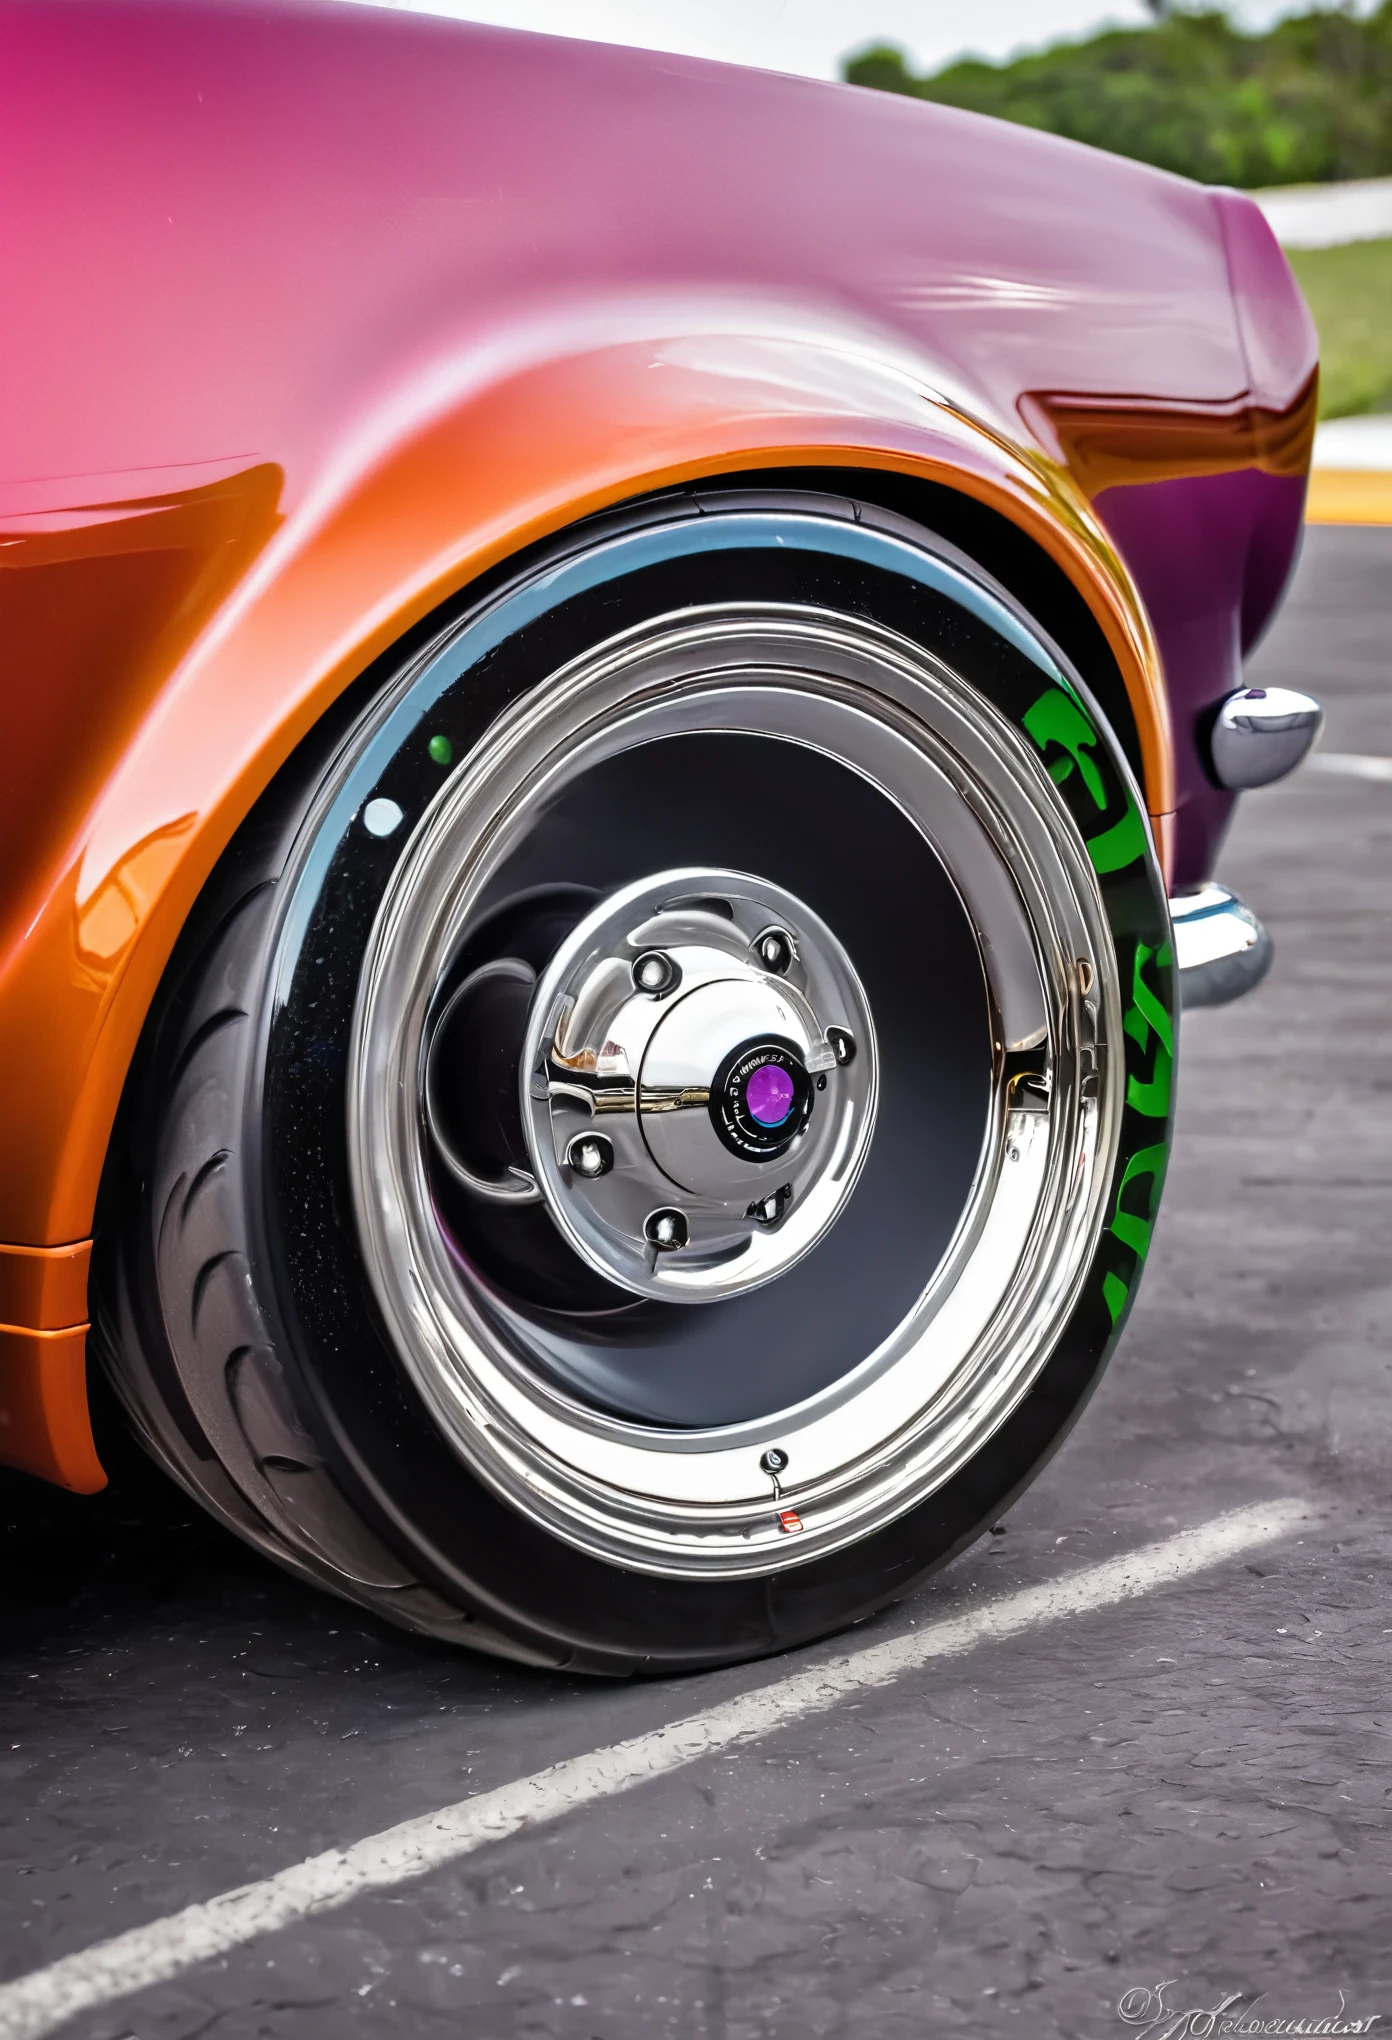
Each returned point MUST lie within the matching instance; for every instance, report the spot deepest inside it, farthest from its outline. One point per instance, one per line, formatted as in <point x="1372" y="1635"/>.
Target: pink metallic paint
<point x="315" y="312"/>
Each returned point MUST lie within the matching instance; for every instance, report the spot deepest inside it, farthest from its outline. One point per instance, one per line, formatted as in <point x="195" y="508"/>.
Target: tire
<point x="353" y="1285"/>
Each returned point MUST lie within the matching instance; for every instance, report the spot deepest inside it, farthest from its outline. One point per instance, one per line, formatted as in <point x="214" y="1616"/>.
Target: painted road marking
<point x="1353" y="443"/>
<point x="1348" y="496"/>
<point x="1350" y="765"/>
<point x="39" y="2003"/>
<point x="1351" y="482"/>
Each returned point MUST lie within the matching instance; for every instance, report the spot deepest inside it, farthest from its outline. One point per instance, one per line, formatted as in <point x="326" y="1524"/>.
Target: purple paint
<point x="769" y="1095"/>
<point x="1211" y="555"/>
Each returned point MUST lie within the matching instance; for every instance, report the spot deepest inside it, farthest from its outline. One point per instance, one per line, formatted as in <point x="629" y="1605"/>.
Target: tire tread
<point x="173" y="1282"/>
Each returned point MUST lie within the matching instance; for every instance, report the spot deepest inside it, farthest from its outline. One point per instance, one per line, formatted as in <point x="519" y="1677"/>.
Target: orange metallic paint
<point x="44" y="1425"/>
<point x="277" y="616"/>
<point x="1113" y="442"/>
<point x="410" y="525"/>
<point x="44" y="1288"/>
<point x="98" y="602"/>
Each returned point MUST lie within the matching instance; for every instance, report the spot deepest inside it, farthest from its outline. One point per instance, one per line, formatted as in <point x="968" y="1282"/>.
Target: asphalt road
<point x="1190" y="1788"/>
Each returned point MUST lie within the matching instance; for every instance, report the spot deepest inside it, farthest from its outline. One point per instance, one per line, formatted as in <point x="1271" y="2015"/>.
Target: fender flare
<point x="461" y="465"/>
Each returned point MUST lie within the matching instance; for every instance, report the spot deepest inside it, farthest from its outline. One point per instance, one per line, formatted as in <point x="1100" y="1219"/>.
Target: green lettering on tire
<point x="1058" y="723"/>
<point x="1146" y="1019"/>
<point x="1057" y="719"/>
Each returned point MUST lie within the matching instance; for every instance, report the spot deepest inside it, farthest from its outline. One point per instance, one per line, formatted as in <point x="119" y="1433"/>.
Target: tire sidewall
<point x="352" y="1390"/>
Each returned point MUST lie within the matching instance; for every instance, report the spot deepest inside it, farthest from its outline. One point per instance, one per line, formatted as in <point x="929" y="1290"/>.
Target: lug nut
<point x="667" y="1230"/>
<point x="655" y="973"/>
<point x="775" y="1460"/>
<point x="775" y="950"/>
<point x="842" y="1045"/>
<point x="590" y="1155"/>
<point x="768" y="1210"/>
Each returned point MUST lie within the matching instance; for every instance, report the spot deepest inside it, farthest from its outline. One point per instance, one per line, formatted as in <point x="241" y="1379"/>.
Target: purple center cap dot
<point x="769" y="1095"/>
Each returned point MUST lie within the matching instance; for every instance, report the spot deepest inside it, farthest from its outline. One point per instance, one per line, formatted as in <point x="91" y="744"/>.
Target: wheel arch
<point x="446" y="486"/>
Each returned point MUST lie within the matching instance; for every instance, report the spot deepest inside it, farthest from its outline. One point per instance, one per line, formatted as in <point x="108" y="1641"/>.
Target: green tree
<point x="1309" y="100"/>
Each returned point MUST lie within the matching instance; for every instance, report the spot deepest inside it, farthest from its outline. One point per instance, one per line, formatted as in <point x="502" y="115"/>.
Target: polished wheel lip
<point x="699" y="1504"/>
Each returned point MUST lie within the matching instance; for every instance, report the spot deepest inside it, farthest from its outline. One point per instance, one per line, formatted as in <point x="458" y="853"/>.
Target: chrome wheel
<point x="733" y="1093"/>
<point x="654" y="1126"/>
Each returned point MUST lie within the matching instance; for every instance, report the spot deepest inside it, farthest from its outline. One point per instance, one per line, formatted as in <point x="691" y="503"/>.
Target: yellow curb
<point x="1349" y="496"/>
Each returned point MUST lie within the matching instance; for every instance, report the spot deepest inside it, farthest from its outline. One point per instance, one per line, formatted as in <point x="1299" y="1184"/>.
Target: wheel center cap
<point x="768" y="1090"/>
<point x="695" y="1116"/>
<point x="725" y="1091"/>
<point x="761" y="1099"/>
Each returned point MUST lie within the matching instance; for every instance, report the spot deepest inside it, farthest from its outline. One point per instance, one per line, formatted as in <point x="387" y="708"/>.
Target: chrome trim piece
<point x="518" y="1186"/>
<point x="1221" y="949"/>
<point x="1261" y="734"/>
<point x="906" y="1416"/>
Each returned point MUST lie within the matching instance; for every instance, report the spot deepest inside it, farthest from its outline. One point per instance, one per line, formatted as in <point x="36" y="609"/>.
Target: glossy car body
<point x="315" y="314"/>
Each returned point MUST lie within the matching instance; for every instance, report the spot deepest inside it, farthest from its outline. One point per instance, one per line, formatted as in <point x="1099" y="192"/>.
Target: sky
<point x="812" y="36"/>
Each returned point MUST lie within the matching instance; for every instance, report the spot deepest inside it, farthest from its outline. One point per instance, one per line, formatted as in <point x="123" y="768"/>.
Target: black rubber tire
<point x="175" y="1319"/>
<point x="203" y="1328"/>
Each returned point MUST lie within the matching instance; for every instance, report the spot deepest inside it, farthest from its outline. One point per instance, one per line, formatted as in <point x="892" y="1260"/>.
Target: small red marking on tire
<point x="789" y="1520"/>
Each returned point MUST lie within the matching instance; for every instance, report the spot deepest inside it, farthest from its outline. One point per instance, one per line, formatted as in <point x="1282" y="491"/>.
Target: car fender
<point x="453" y="468"/>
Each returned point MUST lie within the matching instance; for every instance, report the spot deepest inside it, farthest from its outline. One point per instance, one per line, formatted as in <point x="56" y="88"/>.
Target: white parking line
<point x="39" y="2003"/>
<point x="1350" y="765"/>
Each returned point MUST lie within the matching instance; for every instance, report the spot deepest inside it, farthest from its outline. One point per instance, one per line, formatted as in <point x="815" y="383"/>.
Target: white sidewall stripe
<point x="44" y="2000"/>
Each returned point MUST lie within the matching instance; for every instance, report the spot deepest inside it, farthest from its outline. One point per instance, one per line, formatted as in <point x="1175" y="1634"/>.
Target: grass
<point x="1349" y="291"/>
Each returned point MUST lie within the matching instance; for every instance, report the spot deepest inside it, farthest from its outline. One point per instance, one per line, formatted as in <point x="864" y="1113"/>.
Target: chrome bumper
<point x="1261" y="734"/>
<point x="1221" y="948"/>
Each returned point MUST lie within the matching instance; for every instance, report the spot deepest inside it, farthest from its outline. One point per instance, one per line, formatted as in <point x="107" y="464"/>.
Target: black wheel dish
<point x="688" y="805"/>
<point x="688" y="801"/>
